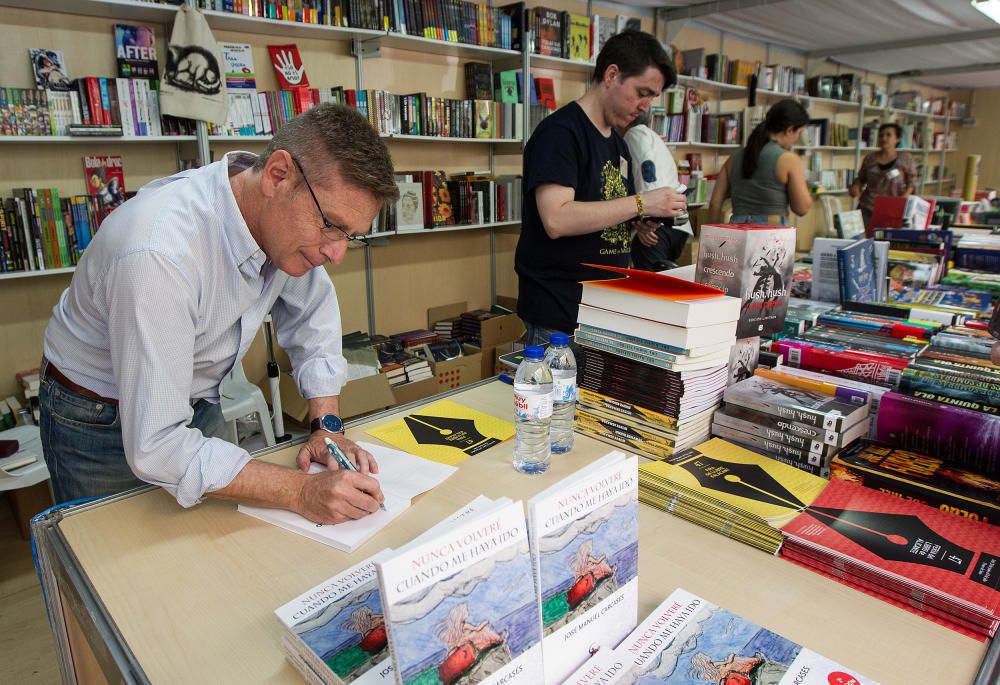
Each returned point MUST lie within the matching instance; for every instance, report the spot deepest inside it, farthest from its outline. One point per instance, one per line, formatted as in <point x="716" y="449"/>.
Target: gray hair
<point x="330" y="136"/>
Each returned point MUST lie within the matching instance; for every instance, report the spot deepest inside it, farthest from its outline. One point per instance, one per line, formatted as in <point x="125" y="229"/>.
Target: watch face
<point x="332" y="423"/>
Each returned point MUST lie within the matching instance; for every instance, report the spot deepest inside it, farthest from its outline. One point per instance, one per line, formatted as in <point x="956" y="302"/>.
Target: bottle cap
<point x="534" y="352"/>
<point x="559" y="339"/>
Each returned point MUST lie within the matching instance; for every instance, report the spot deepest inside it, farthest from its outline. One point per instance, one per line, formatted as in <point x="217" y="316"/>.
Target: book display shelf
<point x="856" y="114"/>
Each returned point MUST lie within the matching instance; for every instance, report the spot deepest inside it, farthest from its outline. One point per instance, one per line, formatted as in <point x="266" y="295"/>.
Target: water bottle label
<point x="533" y="406"/>
<point x="564" y="389"/>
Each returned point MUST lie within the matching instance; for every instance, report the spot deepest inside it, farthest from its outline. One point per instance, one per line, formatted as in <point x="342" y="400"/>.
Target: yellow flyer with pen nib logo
<point x="445" y="432"/>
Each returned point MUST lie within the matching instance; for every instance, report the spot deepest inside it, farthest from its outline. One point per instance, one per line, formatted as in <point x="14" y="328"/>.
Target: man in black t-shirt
<point x="578" y="201"/>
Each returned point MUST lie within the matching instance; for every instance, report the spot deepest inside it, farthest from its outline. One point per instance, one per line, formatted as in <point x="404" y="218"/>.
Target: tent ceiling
<point x="824" y="25"/>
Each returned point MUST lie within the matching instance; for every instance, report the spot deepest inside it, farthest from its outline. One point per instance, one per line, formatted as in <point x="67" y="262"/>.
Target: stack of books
<point x="919" y="558"/>
<point x="913" y="476"/>
<point x="803" y="315"/>
<point x="980" y="252"/>
<point x="471" y="323"/>
<point x="958" y="301"/>
<point x="851" y="354"/>
<point x="655" y="360"/>
<point x="797" y="421"/>
<point x="689" y="635"/>
<point x="956" y="370"/>
<point x="730" y="490"/>
<point x="415" y="338"/>
<point x="448" y="329"/>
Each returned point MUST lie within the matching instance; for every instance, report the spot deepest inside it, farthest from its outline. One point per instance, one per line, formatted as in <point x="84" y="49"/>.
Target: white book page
<point x="402" y="476"/>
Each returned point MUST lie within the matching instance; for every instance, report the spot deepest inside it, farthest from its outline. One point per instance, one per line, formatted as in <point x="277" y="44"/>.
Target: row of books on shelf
<point x="97" y="106"/>
<point x="418" y="114"/>
<point x="433" y="199"/>
<point x="782" y="79"/>
<point x="39" y="229"/>
<point x="453" y="21"/>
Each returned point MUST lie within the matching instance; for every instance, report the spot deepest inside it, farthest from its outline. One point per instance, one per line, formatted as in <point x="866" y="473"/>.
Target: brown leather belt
<point x="55" y="374"/>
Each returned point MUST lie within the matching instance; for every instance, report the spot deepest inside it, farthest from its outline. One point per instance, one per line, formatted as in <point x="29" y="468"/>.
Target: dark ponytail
<point x="783" y="115"/>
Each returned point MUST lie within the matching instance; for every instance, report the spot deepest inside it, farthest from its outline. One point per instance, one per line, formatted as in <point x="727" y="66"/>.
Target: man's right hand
<point x="663" y="202"/>
<point x="338" y="496"/>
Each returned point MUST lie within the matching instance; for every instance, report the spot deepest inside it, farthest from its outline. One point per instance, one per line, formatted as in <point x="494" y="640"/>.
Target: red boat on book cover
<point x="467" y="644"/>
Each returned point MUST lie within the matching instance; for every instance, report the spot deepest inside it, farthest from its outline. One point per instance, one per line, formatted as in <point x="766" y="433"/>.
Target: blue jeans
<point x="82" y="442"/>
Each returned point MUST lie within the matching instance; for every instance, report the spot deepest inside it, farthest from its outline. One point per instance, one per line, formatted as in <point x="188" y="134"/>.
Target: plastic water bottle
<point x="561" y="362"/>
<point x="532" y="412"/>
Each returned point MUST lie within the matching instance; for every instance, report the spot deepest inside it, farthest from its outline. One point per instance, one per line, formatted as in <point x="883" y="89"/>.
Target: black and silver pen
<point x="343" y="461"/>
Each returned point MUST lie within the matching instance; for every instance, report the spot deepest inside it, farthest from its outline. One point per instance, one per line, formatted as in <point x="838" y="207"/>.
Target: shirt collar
<point x="247" y="254"/>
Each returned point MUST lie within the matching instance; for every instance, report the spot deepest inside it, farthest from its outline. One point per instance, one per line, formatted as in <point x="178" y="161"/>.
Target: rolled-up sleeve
<point x="307" y="321"/>
<point x="152" y="321"/>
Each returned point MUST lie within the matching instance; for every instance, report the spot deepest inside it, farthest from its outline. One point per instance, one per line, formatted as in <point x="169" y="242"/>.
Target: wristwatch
<point x="328" y="422"/>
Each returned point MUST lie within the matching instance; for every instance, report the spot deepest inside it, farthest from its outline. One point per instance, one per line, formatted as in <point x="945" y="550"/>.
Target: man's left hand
<point x="645" y="231"/>
<point x="315" y="451"/>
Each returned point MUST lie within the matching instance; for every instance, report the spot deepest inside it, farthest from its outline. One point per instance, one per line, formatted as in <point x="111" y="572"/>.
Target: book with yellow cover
<point x="731" y="490"/>
<point x="740" y="479"/>
<point x="445" y="432"/>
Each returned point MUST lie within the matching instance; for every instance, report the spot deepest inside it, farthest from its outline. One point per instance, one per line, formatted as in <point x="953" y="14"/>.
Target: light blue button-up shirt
<point x="167" y="297"/>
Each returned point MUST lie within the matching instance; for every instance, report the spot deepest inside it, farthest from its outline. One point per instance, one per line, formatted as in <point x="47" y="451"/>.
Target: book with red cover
<point x="964" y="437"/>
<point x="839" y="361"/>
<point x="905" y="549"/>
<point x="104" y="177"/>
<point x="546" y="92"/>
<point x="288" y="68"/>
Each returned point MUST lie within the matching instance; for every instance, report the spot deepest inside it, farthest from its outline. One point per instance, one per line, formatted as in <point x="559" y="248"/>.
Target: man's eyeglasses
<point x="330" y="230"/>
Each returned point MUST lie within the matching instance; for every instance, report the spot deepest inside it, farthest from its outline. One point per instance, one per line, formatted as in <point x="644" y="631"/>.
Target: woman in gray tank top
<point x="765" y="177"/>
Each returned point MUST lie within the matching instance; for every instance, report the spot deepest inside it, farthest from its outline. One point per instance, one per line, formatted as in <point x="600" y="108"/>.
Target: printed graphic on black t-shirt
<point x="568" y="150"/>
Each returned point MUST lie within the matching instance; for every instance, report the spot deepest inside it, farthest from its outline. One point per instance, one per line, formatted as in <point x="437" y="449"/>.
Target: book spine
<point x="798" y="435"/>
<point x="54" y="206"/>
<point x="771" y="448"/>
<point x="947" y="382"/>
<point x="870" y="368"/>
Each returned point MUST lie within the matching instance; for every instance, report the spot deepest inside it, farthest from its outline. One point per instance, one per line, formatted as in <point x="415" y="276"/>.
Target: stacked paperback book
<point x="484" y="594"/>
<point x="655" y="360"/>
<point x="730" y="490"/>
<point x="688" y="639"/>
<point x="798" y="421"/>
<point x="916" y="557"/>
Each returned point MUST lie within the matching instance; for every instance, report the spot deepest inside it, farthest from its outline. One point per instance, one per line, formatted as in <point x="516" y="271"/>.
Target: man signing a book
<point x="578" y="199"/>
<point x="170" y="294"/>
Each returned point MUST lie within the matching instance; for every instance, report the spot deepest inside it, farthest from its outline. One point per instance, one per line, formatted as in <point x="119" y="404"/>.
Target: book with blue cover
<point x="688" y="640"/>
<point x="856" y="269"/>
<point x="460" y="606"/>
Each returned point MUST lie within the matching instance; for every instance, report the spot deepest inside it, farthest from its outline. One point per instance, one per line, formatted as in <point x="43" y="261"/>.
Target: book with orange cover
<point x="660" y="298"/>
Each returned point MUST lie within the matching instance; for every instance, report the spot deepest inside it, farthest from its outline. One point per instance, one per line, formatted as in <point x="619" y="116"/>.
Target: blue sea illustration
<point x="498" y="597"/>
<point x="609" y="533"/>
<point x="335" y="630"/>
<point x="715" y="644"/>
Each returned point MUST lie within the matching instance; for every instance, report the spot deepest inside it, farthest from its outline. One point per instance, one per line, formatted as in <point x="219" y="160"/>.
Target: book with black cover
<point x="920" y="477"/>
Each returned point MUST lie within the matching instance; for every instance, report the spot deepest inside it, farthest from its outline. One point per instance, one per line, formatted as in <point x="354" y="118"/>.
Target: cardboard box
<point x="411" y="392"/>
<point x="360" y="396"/>
<point x="448" y="311"/>
<point x="494" y="332"/>
<point x="453" y="373"/>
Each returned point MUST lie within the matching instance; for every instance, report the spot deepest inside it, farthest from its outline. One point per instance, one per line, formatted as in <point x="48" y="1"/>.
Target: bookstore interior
<point x="781" y="437"/>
